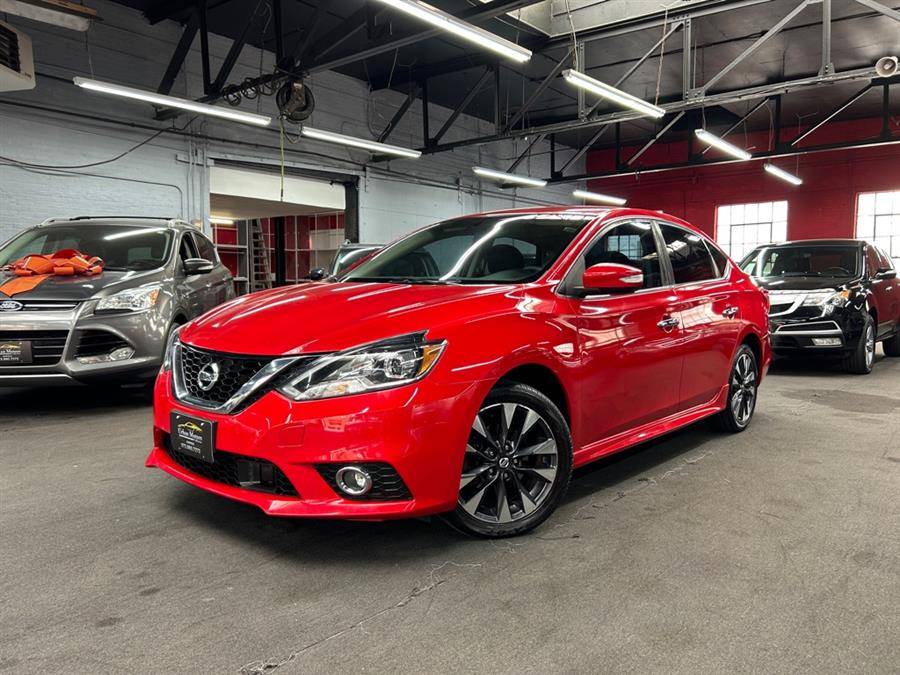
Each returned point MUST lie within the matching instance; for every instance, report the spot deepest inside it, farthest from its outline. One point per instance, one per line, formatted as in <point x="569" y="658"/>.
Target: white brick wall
<point x="59" y="124"/>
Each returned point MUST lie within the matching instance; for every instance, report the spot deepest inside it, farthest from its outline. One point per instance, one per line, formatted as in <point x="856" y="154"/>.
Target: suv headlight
<point x="132" y="300"/>
<point x="827" y="299"/>
<point x="381" y="365"/>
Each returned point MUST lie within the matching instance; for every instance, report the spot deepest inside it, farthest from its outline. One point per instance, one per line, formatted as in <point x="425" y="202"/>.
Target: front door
<point x="631" y="365"/>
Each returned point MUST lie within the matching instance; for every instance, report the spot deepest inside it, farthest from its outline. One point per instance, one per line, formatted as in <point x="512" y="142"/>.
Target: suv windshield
<point x="803" y="261"/>
<point x="121" y="247"/>
<point x="486" y="250"/>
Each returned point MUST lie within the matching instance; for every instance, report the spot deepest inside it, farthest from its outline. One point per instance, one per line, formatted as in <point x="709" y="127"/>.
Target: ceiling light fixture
<point x="466" y="31"/>
<point x="374" y="146"/>
<point x="509" y="178"/>
<point x="722" y="145"/>
<point x="597" y="197"/>
<point x="610" y="93"/>
<point x="221" y="220"/>
<point x="782" y="174"/>
<point x="172" y="102"/>
<point x="78" y="18"/>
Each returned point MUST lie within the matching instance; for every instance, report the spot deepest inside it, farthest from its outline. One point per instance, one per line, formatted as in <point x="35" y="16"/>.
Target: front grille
<point x="46" y="345"/>
<point x="48" y="305"/>
<point x="386" y="482"/>
<point x="227" y="469"/>
<point x="234" y="372"/>
<point x="97" y="342"/>
<point x="779" y="308"/>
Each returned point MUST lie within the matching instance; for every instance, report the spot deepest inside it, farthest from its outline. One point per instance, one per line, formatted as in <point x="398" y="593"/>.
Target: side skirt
<point x="632" y="437"/>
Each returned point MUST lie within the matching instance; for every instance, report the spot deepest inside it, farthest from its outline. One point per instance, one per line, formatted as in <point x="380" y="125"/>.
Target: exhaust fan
<point x="16" y="59"/>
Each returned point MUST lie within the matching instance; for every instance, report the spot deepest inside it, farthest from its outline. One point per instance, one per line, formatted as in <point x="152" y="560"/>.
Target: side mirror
<point x="317" y="274"/>
<point x="611" y="278"/>
<point x="197" y="266"/>
<point x="886" y="274"/>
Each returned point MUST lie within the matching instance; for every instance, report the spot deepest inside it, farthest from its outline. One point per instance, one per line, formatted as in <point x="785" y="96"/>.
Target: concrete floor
<point x="772" y="551"/>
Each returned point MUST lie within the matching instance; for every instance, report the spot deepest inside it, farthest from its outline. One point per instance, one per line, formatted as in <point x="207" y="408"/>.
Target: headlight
<point x="170" y="350"/>
<point x="827" y="298"/>
<point x="132" y="300"/>
<point x="382" y="365"/>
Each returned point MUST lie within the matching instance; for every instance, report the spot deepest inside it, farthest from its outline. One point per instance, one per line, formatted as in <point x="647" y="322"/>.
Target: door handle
<point x="668" y="324"/>
<point x="729" y="311"/>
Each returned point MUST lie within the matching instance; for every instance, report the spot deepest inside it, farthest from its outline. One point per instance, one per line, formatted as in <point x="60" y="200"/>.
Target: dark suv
<point x="830" y="297"/>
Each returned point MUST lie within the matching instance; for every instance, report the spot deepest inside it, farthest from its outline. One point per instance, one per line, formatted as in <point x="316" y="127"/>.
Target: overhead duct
<point x="16" y="59"/>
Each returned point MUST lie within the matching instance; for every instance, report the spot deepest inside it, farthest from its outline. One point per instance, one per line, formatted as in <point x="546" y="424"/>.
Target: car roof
<point x="595" y="211"/>
<point x="134" y="221"/>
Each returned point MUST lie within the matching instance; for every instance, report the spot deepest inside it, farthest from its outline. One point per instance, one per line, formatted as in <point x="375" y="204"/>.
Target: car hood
<point x="78" y="288"/>
<point x="324" y="317"/>
<point x="801" y="283"/>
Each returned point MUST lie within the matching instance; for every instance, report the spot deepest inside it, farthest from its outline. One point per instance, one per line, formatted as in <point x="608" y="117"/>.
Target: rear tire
<point x="743" y="386"/>
<point x="517" y="464"/>
<point x="892" y="345"/>
<point x="862" y="358"/>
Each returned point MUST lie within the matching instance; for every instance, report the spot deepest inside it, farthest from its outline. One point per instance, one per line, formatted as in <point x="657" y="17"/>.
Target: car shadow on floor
<point x="337" y="541"/>
<point x="74" y="400"/>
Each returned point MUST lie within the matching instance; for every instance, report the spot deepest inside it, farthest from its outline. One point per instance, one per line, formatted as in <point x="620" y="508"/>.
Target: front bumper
<point x="419" y="430"/>
<point x="837" y="332"/>
<point x="61" y="336"/>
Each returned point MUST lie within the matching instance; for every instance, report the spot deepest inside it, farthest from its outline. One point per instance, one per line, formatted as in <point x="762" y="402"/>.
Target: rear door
<point x="709" y="310"/>
<point x="629" y="342"/>
<point x="890" y="290"/>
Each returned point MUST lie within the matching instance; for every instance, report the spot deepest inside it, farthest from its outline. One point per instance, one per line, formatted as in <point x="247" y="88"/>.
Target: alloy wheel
<point x="510" y="464"/>
<point x="743" y="389"/>
<point x="870" y="346"/>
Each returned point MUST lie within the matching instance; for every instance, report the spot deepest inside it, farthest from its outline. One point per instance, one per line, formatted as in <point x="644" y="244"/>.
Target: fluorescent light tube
<point x="43" y="14"/>
<point x="597" y="197"/>
<point x="374" y="146"/>
<point x="722" y="145"/>
<point x="509" y="178"/>
<point x="610" y="93"/>
<point x="782" y="174"/>
<point x="220" y="220"/>
<point x="466" y="31"/>
<point x="172" y="102"/>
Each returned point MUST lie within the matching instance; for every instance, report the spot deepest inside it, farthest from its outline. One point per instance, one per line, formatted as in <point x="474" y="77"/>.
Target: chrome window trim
<point x="263" y="375"/>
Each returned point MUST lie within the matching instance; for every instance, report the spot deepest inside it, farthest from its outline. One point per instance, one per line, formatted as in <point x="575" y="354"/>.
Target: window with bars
<point x="878" y="220"/>
<point x="742" y="227"/>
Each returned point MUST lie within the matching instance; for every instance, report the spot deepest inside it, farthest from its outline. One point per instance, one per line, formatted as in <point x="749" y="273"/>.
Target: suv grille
<point x="227" y="469"/>
<point x="46" y="345"/>
<point x="386" y="482"/>
<point x="234" y="372"/>
<point x="97" y="342"/>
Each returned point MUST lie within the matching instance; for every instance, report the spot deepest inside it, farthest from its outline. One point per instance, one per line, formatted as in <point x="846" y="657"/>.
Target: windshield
<point x="481" y="250"/>
<point x="346" y="258"/>
<point x="803" y="261"/>
<point x="121" y="247"/>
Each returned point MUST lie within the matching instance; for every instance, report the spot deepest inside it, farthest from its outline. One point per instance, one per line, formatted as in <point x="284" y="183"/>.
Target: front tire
<point x="517" y="464"/>
<point x="862" y="358"/>
<point x="743" y="385"/>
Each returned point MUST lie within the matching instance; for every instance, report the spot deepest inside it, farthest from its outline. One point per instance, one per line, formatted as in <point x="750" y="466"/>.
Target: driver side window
<point x="187" y="249"/>
<point x="628" y="244"/>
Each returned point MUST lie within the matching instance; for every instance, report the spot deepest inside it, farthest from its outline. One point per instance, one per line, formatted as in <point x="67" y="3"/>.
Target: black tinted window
<point x="205" y="248"/>
<point x="628" y="244"/>
<point x="688" y="254"/>
<point x="188" y="249"/>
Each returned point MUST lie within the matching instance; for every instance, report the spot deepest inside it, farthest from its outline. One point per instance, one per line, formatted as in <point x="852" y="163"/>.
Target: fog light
<point x="120" y="354"/>
<point x="353" y="481"/>
<point x="827" y="342"/>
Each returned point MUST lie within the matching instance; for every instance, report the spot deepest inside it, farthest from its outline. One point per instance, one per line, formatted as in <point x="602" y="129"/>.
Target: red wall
<point x="824" y="206"/>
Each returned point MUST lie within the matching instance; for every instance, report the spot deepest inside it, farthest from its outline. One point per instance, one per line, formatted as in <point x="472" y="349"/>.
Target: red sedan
<point x="464" y="370"/>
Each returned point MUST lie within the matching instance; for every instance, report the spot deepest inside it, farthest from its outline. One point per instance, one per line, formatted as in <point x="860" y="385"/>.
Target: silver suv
<point x="158" y="274"/>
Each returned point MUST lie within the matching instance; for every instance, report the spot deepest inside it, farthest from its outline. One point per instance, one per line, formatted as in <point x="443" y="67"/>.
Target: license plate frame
<point x="15" y="353"/>
<point x="193" y="436"/>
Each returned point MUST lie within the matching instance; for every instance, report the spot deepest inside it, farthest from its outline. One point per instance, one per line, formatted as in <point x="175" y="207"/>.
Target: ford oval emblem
<point x="10" y="306"/>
